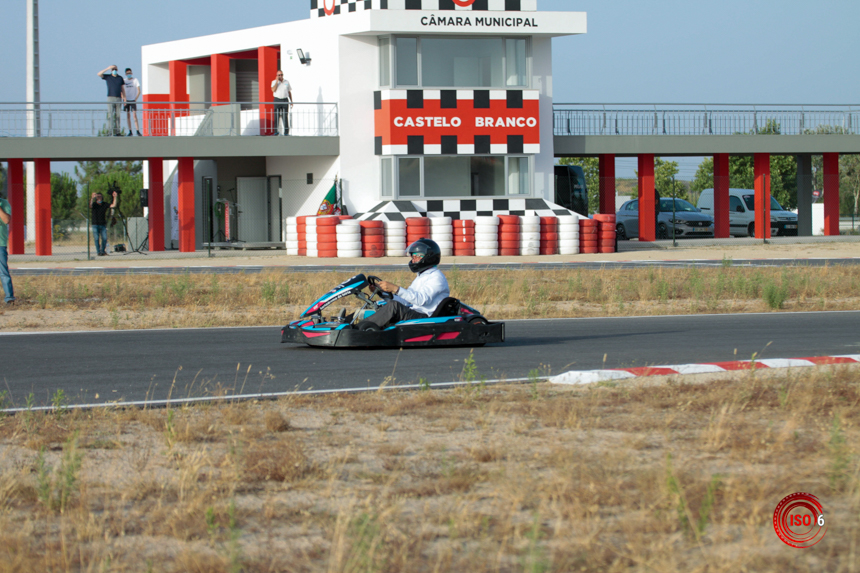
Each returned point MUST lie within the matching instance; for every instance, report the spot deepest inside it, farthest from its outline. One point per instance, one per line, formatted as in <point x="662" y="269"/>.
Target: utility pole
<point x="34" y="127"/>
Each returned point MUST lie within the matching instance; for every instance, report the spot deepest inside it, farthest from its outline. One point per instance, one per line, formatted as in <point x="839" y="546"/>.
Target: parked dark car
<point x="688" y="220"/>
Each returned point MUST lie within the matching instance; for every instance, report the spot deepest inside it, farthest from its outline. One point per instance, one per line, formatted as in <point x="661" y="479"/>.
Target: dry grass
<point x="664" y="475"/>
<point x="275" y="297"/>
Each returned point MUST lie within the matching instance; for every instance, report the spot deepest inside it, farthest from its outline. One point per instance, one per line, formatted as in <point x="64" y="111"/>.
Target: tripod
<point x="132" y="248"/>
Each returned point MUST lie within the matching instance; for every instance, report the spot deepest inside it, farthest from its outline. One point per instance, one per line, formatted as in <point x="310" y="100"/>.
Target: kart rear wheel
<point x="478" y="320"/>
<point x="367" y="325"/>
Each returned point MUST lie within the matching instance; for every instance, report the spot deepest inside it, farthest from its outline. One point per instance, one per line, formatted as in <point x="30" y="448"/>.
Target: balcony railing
<point x="167" y="119"/>
<point x="704" y="119"/>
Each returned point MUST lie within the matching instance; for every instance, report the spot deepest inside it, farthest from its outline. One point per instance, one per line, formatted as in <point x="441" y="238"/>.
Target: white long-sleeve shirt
<point x="425" y="293"/>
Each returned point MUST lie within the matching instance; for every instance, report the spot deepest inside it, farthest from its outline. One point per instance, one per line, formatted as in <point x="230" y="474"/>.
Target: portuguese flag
<point x="330" y="205"/>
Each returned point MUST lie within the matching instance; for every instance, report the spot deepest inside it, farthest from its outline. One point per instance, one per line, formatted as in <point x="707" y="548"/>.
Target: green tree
<point x="849" y="184"/>
<point x="591" y="168"/>
<point x="64" y="197"/>
<point x="99" y="177"/>
<point x="783" y="173"/>
<point x="664" y="178"/>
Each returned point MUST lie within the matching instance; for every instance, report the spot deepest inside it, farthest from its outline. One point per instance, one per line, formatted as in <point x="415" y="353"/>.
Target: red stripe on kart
<point x="448" y="336"/>
<point x="315" y="334"/>
<point x="427" y="338"/>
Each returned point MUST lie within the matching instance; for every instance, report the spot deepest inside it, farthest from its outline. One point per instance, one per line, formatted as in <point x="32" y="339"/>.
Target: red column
<point x="178" y="92"/>
<point x="647" y="196"/>
<point x="221" y="78"/>
<point x="187" y="233"/>
<point x="43" y="207"/>
<point x="606" y="171"/>
<point x="156" y="204"/>
<point x="267" y="69"/>
<point x="16" y="202"/>
<point x="831" y="194"/>
<point x="721" y="196"/>
<point x="761" y="169"/>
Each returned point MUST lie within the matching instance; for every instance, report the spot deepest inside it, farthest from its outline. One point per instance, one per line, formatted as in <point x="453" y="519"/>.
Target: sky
<point x="635" y="51"/>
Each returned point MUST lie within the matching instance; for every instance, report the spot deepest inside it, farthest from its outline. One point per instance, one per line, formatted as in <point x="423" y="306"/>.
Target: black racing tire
<point x="620" y="232"/>
<point x="478" y="320"/>
<point x="367" y="325"/>
<point x="662" y="231"/>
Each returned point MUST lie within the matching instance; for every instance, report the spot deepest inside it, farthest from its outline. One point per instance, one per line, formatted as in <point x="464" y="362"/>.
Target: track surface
<point x="94" y="367"/>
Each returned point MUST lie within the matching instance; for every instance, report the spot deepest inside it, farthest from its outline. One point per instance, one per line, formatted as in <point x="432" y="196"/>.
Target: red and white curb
<point x="592" y="376"/>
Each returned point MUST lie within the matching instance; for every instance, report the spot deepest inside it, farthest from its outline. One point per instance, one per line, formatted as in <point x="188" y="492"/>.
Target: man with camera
<point x="98" y="210"/>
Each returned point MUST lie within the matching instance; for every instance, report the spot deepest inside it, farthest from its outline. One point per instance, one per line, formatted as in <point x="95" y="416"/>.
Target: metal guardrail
<point x="174" y="119"/>
<point x="704" y="119"/>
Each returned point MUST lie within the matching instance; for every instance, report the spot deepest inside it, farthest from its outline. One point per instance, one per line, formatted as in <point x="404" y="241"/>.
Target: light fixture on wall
<point x="302" y="58"/>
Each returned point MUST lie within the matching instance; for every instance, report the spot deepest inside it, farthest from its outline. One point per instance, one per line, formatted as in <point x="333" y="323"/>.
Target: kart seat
<point x="449" y="306"/>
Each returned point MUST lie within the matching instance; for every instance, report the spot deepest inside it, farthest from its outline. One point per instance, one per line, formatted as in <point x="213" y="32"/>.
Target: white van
<point x="742" y="213"/>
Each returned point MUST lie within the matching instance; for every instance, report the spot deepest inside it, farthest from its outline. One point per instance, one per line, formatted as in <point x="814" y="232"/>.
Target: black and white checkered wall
<point x="320" y="7"/>
<point x="464" y="209"/>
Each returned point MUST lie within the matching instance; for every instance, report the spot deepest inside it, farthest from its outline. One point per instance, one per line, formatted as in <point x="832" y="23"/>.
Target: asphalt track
<point x="100" y="367"/>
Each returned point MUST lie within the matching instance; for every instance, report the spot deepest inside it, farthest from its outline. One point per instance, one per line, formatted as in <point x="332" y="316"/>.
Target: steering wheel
<point x="382" y="294"/>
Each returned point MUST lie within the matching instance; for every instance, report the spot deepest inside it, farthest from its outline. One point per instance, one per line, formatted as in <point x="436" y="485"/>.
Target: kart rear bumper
<point x="409" y="336"/>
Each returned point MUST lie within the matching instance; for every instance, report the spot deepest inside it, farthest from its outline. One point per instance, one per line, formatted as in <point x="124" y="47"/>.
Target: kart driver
<point x="422" y="297"/>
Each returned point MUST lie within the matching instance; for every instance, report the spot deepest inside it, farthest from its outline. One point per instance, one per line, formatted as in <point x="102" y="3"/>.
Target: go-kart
<point x="452" y="324"/>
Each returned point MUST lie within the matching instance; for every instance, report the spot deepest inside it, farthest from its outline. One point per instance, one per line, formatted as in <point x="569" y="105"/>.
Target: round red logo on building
<point x="330" y="11"/>
<point x="464" y="3"/>
<point x="799" y="520"/>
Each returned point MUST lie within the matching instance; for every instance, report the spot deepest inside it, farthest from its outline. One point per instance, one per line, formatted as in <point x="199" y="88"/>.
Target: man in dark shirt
<point x="115" y="97"/>
<point x="99" y="209"/>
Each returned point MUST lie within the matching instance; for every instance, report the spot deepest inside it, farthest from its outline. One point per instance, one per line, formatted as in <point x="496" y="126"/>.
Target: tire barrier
<point x="588" y="236"/>
<point x="327" y="236"/>
<point x="348" y="238"/>
<point x="568" y="236"/>
<point x="301" y="230"/>
<point x="395" y="238"/>
<point x="442" y="233"/>
<point x="292" y="235"/>
<point x="509" y="235"/>
<point x="549" y="235"/>
<point x="464" y="238"/>
<point x="417" y="228"/>
<point x="372" y="239"/>
<point x="606" y="234"/>
<point x="487" y="236"/>
<point x="530" y="235"/>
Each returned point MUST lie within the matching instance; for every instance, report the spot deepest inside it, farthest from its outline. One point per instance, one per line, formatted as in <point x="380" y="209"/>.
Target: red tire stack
<point x="549" y="235"/>
<point x="372" y="239"/>
<point x="588" y="238"/>
<point x="509" y="235"/>
<point x="464" y="238"/>
<point x="417" y="228"/>
<point x="302" y="228"/>
<point x="605" y="233"/>
<point x="327" y="236"/>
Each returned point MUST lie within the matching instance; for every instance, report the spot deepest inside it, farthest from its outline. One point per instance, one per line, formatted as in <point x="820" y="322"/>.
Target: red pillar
<point x="647" y="196"/>
<point x="606" y="169"/>
<point x="761" y="169"/>
<point x="831" y="194"/>
<point x="178" y="92"/>
<point x="156" y="204"/>
<point x="43" y="207"/>
<point x="721" y="196"/>
<point x="16" y="202"/>
<point x="267" y="69"/>
<point x="187" y="233"/>
<point x="221" y="78"/>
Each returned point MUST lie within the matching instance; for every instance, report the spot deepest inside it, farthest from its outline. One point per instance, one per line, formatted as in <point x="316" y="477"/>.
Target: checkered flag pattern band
<point x="464" y="209"/>
<point x="323" y="8"/>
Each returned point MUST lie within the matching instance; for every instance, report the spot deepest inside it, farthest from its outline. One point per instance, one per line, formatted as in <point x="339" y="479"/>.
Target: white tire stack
<point x="311" y="234"/>
<point x="442" y="232"/>
<point x="486" y="236"/>
<point x="395" y="238"/>
<point x="348" y="239"/>
<point x="568" y="235"/>
<point x="292" y="236"/>
<point x="530" y="235"/>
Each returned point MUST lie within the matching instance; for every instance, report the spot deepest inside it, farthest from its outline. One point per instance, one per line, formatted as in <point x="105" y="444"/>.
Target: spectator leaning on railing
<point x="115" y="97"/>
<point x="132" y="92"/>
<point x="5" y="277"/>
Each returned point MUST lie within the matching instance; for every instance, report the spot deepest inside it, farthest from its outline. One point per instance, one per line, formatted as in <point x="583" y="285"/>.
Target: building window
<point x="448" y="62"/>
<point x="384" y="62"/>
<point x="461" y="176"/>
<point x="407" y="61"/>
<point x="387" y="166"/>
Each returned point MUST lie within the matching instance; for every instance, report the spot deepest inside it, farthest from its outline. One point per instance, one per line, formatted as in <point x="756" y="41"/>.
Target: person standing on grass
<point x="132" y="92"/>
<point x="5" y="277"/>
<point x="115" y="97"/>
<point x="98" y="210"/>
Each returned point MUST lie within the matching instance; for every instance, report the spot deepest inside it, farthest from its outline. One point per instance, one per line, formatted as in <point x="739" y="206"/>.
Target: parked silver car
<point x="688" y="220"/>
